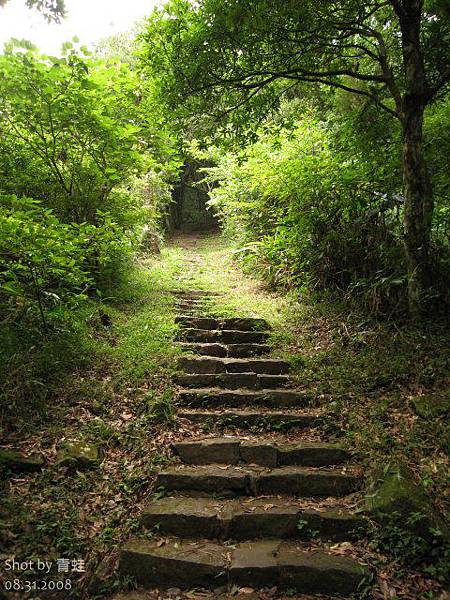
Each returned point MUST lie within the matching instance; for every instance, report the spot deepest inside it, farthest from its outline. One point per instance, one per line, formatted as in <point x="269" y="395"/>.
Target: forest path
<point x="260" y="498"/>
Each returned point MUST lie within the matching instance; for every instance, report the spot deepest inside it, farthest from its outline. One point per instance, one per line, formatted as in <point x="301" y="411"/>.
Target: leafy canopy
<point x="215" y="56"/>
<point x="74" y="127"/>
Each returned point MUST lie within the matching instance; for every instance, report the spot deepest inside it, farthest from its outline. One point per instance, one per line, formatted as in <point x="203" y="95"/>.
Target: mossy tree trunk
<point x="417" y="187"/>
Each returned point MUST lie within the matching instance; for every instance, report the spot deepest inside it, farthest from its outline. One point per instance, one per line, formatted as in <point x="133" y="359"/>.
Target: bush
<point x="315" y="203"/>
<point x="46" y="264"/>
<point x="309" y="215"/>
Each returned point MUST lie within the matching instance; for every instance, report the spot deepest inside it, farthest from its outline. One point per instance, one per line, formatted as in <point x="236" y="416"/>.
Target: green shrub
<point x="308" y="215"/>
<point x="46" y="264"/>
<point x="315" y="204"/>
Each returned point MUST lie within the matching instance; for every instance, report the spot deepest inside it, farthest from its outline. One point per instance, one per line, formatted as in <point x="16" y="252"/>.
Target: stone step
<point x="194" y="293"/>
<point x="194" y="299"/>
<point x="252" y="518"/>
<point x="251" y="418"/>
<point x="245" y="324"/>
<point x="205" y="364"/>
<point x="236" y="481"/>
<point x="169" y="563"/>
<point x="232" y="380"/>
<point x="241" y="324"/>
<point x="236" y="398"/>
<point x="224" y="336"/>
<point x="197" y="322"/>
<point x="216" y="350"/>
<point x="189" y="310"/>
<point x="246" y="350"/>
<point x="229" y="350"/>
<point x="232" y="450"/>
<point x="190" y="303"/>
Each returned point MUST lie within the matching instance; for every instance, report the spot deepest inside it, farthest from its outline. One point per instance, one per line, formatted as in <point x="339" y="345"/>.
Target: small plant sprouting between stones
<point x="303" y="526"/>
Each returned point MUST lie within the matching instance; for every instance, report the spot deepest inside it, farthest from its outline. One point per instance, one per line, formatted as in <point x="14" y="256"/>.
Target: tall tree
<point x="215" y="56"/>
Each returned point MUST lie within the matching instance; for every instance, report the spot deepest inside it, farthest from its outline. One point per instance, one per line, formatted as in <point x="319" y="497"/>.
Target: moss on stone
<point x="398" y="496"/>
<point x="432" y="406"/>
<point x="78" y="454"/>
<point x="14" y="461"/>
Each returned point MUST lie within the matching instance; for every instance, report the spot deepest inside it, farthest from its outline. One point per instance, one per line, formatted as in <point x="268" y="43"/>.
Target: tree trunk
<point x="417" y="187"/>
<point x="418" y="210"/>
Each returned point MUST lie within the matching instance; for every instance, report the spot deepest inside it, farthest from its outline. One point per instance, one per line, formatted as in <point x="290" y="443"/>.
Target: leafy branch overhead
<point x="241" y="48"/>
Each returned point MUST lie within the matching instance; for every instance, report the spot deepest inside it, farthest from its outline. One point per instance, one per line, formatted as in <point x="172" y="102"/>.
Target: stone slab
<point x="301" y="482"/>
<point x="211" y="450"/>
<point x="208" y="479"/>
<point x="236" y="398"/>
<point x="202" y="364"/>
<point x="239" y="481"/>
<point x="218" y="350"/>
<point x="259" y="453"/>
<point x="313" y="454"/>
<point x="171" y="563"/>
<point x="255" y="562"/>
<point x="231" y="336"/>
<point x="246" y="350"/>
<point x="251" y="418"/>
<point x="184" y="564"/>
<point x="197" y="322"/>
<point x="184" y="517"/>
<point x="270" y="366"/>
<point x="205" y="364"/>
<point x="248" y="519"/>
<point x="245" y="324"/>
<point x="318" y="572"/>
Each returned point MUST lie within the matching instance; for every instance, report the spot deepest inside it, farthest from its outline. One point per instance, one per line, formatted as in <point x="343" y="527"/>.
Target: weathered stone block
<point x="200" y="335"/>
<point x="259" y="454"/>
<point x="201" y="365"/>
<point x="245" y="324"/>
<point x="204" y="479"/>
<point x="197" y="322"/>
<point x="184" y="517"/>
<point x="251" y="418"/>
<point x="396" y="495"/>
<point x="257" y="365"/>
<point x="229" y="336"/>
<point x="255" y="563"/>
<point x="292" y="480"/>
<point x="318" y="572"/>
<point x="218" y="350"/>
<point x="264" y="519"/>
<point x="316" y="455"/>
<point x="273" y="381"/>
<point x="211" y="450"/>
<point x="181" y="563"/>
<point x="246" y="350"/>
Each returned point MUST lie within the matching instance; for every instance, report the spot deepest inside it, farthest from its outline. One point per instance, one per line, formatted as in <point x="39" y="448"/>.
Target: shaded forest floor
<point x="120" y="398"/>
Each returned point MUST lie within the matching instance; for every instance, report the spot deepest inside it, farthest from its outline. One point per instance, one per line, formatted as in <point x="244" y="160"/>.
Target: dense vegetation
<point x="324" y="134"/>
<point x="316" y="205"/>
<point x="232" y="59"/>
<point x="84" y="167"/>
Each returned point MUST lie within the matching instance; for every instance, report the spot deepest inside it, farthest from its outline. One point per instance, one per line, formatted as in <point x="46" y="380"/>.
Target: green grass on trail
<point x="113" y="387"/>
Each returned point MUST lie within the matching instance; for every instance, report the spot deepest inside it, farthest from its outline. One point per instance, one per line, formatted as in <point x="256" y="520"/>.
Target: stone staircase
<point x="251" y="509"/>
